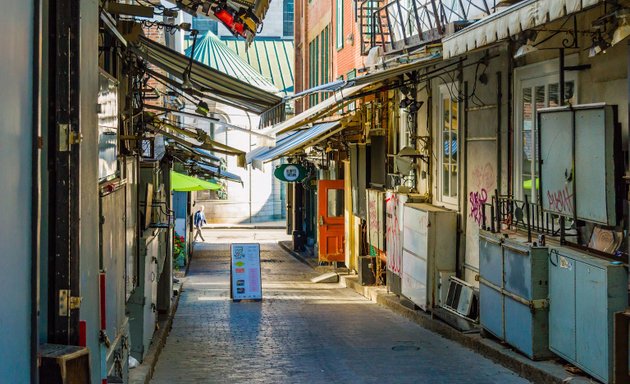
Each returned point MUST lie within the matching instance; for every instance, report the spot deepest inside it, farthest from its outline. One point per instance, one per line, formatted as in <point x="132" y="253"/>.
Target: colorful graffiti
<point x="477" y="200"/>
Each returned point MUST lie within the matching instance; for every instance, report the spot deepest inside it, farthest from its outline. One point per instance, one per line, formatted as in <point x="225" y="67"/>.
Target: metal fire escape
<point x="400" y="25"/>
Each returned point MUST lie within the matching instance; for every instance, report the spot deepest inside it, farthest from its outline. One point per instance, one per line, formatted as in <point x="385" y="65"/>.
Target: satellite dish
<point x="404" y="160"/>
<point x="403" y="165"/>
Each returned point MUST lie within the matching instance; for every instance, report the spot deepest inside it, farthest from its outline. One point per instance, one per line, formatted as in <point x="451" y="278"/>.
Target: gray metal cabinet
<point x="579" y="165"/>
<point x="491" y="274"/>
<point x="513" y="292"/>
<point x="428" y="253"/>
<point x="584" y="294"/>
<point x="142" y="304"/>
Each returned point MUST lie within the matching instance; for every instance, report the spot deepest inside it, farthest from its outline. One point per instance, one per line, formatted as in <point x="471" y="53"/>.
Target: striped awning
<point x="272" y="58"/>
<point x="213" y="83"/>
<point x="292" y="142"/>
<point x="214" y="53"/>
<point x="509" y="22"/>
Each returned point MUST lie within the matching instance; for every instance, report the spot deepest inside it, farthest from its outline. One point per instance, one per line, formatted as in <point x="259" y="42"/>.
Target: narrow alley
<point x="301" y="332"/>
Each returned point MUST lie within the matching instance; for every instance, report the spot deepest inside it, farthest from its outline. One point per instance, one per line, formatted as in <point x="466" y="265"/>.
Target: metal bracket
<point x="67" y="137"/>
<point x="75" y="138"/>
<point x="64" y="131"/>
<point x="63" y="302"/>
<point x="539" y="304"/>
<point x="68" y="303"/>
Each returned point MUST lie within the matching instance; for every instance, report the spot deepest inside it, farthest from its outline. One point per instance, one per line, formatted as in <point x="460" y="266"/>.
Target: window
<point x="339" y="24"/>
<point x="536" y="87"/>
<point x="448" y="142"/>
<point x="203" y="25"/>
<point x="287" y="18"/>
<point x="350" y="76"/>
<point x="313" y="69"/>
<point x="325" y="62"/>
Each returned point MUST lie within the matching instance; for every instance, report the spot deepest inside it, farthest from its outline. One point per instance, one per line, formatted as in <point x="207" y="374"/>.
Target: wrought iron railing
<point x="405" y="24"/>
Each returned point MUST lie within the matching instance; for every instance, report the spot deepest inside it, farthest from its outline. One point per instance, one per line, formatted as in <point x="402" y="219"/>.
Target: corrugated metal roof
<point x="273" y="58"/>
<point x="214" y="53"/>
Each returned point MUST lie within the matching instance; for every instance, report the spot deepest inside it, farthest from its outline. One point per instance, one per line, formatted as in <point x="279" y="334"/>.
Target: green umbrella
<point x="185" y="183"/>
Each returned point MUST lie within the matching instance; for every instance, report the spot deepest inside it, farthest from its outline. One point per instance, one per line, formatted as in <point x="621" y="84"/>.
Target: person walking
<point x="199" y="220"/>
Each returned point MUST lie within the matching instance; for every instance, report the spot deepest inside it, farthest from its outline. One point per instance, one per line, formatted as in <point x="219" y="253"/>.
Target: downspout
<point x="499" y="125"/>
<point x="35" y="187"/>
<point x="463" y="223"/>
<point x="510" y="122"/>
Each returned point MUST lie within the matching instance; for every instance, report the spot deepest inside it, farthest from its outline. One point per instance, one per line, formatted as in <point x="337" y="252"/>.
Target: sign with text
<point x="245" y="278"/>
<point x="290" y="173"/>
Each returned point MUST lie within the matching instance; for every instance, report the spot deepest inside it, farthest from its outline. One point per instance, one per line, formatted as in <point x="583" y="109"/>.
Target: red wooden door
<point x="330" y="210"/>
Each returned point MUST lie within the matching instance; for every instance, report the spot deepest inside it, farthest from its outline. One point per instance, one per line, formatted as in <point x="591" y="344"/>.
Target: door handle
<point x="321" y="220"/>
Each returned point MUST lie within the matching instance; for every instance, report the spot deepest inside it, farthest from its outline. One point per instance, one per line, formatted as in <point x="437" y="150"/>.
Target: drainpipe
<point x="498" y="139"/>
<point x="35" y="187"/>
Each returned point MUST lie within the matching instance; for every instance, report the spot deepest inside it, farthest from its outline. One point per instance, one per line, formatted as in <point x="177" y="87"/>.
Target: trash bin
<point x="299" y="241"/>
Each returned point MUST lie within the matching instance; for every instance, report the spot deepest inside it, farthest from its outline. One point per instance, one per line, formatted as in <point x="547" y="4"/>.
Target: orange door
<point x="330" y="209"/>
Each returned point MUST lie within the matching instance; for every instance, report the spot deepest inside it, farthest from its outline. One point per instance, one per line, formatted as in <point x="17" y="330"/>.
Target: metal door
<point x="330" y="207"/>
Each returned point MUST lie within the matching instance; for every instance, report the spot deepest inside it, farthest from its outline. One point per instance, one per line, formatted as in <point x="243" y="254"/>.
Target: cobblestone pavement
<point x="302" y="333"/>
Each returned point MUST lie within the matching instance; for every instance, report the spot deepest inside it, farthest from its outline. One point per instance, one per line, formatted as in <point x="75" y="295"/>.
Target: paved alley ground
<point x="301" y="332"/>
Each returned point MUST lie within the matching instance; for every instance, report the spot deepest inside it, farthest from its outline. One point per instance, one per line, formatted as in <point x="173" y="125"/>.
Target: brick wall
<point x="157" y="35"/>
<point x="349" y="57"/>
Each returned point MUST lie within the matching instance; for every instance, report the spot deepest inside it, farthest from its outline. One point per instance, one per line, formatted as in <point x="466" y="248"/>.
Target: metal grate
<point x="405" y="24"/>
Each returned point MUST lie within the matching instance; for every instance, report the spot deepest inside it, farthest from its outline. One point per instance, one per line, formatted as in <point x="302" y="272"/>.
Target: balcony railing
<point x="405" y="24"/>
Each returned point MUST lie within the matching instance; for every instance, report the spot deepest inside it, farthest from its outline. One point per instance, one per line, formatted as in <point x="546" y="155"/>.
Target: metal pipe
<point x="35" y="187"/>
<point x="499" y="117"/>
<point x="510" y="123"/>
<point x="561" y="75"/>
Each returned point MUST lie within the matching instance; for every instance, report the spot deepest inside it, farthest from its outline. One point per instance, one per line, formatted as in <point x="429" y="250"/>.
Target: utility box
<point x="394" y="215"/>
<point x="143" y="303"/>
<point x="513" y="292"/>
<point x="584" y="294"/>
<point x="428" y="252"/>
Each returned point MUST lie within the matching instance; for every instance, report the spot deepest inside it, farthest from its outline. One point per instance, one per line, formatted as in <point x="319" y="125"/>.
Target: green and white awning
<point x="214" y="53"/>
<point x="273" y="58"/>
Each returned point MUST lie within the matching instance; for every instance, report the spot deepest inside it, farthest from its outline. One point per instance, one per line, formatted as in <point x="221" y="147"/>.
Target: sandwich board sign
<point x="245" y="278"/>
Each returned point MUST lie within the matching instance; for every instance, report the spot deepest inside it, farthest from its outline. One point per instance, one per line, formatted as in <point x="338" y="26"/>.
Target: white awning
<point x="293" y="141"/>
<point x="511" y="21"/>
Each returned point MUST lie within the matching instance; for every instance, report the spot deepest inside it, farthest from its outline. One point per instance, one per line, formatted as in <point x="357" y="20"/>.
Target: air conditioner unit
<point x="461" y="299"/>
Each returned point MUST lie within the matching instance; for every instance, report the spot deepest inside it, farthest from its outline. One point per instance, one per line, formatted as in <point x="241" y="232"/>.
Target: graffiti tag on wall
<point x="477" y="200"/>
<point x="393" y="233"/>
<point x="561" y="201"/>
<point x="482" y="180"/>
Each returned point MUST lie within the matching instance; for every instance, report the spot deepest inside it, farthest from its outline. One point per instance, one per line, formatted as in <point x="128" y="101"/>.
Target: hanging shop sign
<point x="290" y="173"/>
<point x="245" y="280"/>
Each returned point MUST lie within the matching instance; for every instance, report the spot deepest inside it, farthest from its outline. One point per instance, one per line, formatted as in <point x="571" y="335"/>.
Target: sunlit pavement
<point x="301" y="332"/>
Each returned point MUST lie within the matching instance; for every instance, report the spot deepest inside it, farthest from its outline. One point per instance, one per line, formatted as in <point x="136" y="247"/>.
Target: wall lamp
<point x="623" y="28"/>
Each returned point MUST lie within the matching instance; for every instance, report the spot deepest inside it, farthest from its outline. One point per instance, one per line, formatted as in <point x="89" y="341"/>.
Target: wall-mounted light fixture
<point x="525" y="49"/>
<point x="599" y="45"/>
<point x="623" y="28"/>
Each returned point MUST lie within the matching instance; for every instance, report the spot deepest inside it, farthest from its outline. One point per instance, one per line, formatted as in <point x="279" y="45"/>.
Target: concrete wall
<point x="89" y="182"/>
<point x="16" y="131"/>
